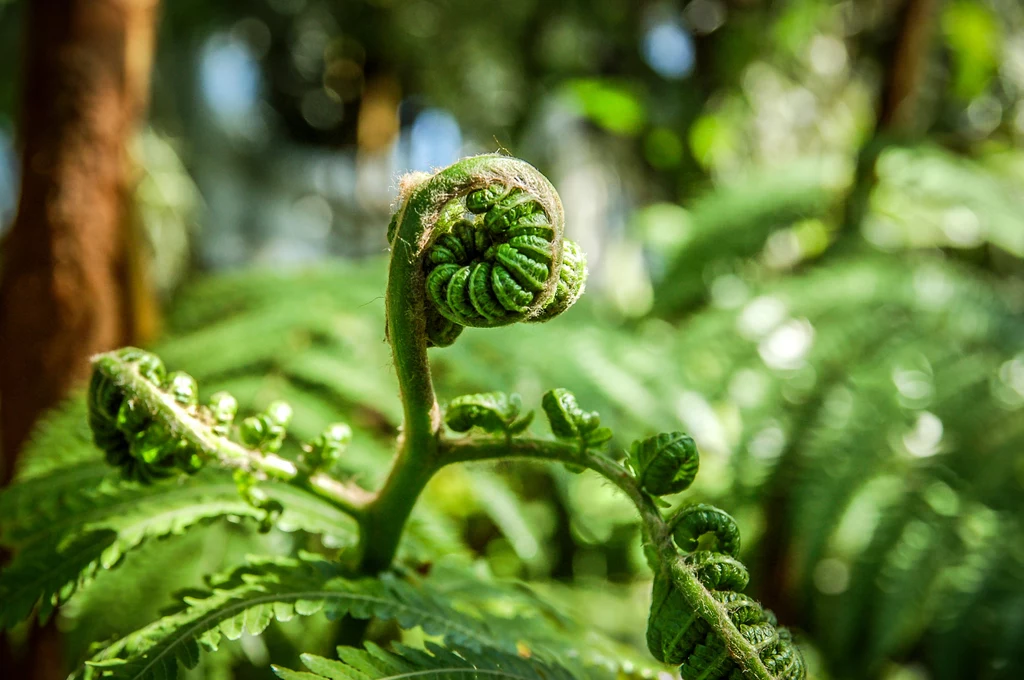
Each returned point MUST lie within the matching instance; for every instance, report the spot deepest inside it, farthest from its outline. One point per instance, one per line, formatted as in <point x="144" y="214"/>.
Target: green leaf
<point x="248" y="599"/>
<point x="435" y="662"/>
<point x="68" y="524"/>
<point x="492" y="412"/>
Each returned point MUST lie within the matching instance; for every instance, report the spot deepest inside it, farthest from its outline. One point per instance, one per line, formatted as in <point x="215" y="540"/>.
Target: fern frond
<point x="60" y="439"/>
<point x="434" y="662"/>
<point x="249" y="598"/>
<point x="70" y="530"/>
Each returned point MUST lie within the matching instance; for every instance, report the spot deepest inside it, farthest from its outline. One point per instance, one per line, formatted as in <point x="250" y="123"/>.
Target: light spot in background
<point x="748" y="387"/>
<point x="728" y="291"/>
<point x="668" y="49"/>
<point x="942" y="499"/>
<point x="701" y="422"/>
<point x="312" y="218"/>
<point x="838" y="406"/>
<point x="984" y="115"/>
<point x="435" y="140"/>
<point x="321" y="110"/>
<point x="864" y="512"/>
<point x="768" y="443"/>
<point x="913" y="385"/>
<point x="705" y="16"/>
<point x="760" y="316"/>
<point x="1008" y="385"/>
<point x="933" y="287"/>
<point x="229" y="78"/>
<point x="632" y="295"/>
<point x="962" y="227"/>
<point x="831" y="576"/>
<point x="924" y="438"/>
<point x="8" y="181"/>
<point x="787" y="347"/>
<point x="827" y="55"/>
<point x="1011" y="374"/>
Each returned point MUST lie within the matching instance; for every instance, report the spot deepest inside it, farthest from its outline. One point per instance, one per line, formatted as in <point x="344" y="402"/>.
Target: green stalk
<point x="655" y="529"/>
<point x="417" y="459"/>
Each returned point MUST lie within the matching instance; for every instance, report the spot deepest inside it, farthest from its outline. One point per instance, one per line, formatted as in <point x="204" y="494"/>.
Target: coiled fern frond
<point x="676" y="632"/>
<point x="494" y="254"/>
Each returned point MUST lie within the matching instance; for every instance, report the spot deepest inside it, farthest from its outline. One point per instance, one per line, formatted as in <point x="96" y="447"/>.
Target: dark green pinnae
<point x="569" y="421"/>
<point x="694" y="521"/>
<point x="665" y="463"/>
<point x="678" y="634"/>
<point x="492" y="412"/>
<point x="498" y="258"/>
<point x="718" y="571"/>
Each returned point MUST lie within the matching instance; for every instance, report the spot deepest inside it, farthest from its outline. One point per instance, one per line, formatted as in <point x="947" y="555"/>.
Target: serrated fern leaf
<point x="68" y="532"/>
<point x="249" y="598"/>
<point x="434" y="662"/>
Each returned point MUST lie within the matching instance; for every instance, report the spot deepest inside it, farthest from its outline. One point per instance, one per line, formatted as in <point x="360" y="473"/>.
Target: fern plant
<point x="477" y="244"/>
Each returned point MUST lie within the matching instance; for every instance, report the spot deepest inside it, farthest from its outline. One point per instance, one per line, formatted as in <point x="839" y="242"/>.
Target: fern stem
<point x="423" y="200"/>
<point x="656" y="530"/>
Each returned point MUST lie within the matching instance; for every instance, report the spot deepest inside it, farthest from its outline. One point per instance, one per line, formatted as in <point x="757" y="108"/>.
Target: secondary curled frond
<point x="678" y="634"/>
<point x="150" y="426"/>
<point x="665" y="463"/>
<point x="491" y="412"/>
<point x="491" y="247"/>
<point x="570" y="422"/>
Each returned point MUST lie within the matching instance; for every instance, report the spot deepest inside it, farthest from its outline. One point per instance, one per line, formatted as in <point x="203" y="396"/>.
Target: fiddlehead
<point x="150" y="426"/>
<point x="492" y="412"/>
<point x="570" y="422"/>
<point x="678" y="634"/>
<point x="666" y="463"/>
<point x="494" y="253"/>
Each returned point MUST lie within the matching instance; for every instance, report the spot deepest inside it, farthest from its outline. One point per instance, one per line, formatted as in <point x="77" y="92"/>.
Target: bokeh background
<point x="804" y="221"/>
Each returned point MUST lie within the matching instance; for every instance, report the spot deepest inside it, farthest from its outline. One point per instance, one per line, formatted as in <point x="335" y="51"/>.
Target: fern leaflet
<point x="69" y="532"/>
<point x="434" y="662"/>
<point x="249" y="598"/>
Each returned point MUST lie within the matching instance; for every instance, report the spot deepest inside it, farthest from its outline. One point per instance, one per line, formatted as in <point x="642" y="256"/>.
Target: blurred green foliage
<point x="855" y="389"/>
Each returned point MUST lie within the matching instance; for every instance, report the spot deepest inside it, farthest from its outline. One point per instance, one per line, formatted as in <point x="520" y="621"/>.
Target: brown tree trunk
<point x="62" y="294"/>
<point x="64" y="285"/>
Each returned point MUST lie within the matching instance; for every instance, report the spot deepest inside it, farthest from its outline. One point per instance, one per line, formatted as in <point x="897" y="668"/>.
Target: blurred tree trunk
<point x="66" y="282"/>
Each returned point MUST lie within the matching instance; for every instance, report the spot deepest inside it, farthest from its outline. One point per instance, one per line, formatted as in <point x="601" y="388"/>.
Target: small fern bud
<point x="151" y="368"/>
<point x="492" y="412"/>
<point x="666" y="463"/>
<point x="183" y="388"/>
<point x="267" y="430"/>
<point x="569" y="421"/>
<point x="222" y="408"/>
<point x="328" y="448"/>
<point x="694" y="521"/>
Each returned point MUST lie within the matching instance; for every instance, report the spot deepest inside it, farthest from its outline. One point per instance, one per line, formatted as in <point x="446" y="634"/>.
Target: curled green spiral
<point x="496" y="255"/>
<point x="131" y="438"/>
<point x="666" y="463"/>
<point x="678" y="634"/>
